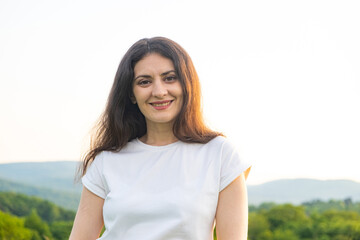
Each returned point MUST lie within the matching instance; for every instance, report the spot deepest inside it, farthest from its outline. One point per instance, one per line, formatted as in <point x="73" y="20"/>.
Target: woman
<point x="154" y="170"/>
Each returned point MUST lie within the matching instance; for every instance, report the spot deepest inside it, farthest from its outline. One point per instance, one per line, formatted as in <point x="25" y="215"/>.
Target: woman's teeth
<point x="161" y="104"/>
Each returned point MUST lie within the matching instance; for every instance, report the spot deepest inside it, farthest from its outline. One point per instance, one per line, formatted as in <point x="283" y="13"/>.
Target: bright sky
<point x="280" y="78"/>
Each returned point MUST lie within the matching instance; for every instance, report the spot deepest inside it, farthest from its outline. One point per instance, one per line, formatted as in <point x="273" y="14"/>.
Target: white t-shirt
<point x="163" y="192"/>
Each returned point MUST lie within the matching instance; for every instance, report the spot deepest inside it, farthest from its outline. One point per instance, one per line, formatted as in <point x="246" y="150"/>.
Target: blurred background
<point x="280" y="78"/>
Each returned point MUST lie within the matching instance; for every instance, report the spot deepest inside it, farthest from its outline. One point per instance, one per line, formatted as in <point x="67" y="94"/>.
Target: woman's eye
<point x="143" y="82"/>
<point x="171" y="78"/>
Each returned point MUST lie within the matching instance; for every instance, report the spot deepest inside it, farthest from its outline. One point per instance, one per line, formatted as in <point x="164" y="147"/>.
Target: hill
<point x="296" y="191"/>
<point x="51" y="175"/>
<point x="55" y="181"/>
<point x="67" y="200"/>
<point x="21" y="205"/>
<point x="24" y="217"/>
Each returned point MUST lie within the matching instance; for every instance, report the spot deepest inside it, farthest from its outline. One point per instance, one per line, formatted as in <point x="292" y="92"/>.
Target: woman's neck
<point x="159" y="135"/>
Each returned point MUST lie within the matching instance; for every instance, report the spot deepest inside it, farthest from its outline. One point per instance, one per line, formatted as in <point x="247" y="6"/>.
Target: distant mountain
<point x="296" y="191"/>
<point x="67" y="200"/>
<point x="51" y="175"/>
<point x="56" y="179"/>
<point x="53" y="181"/>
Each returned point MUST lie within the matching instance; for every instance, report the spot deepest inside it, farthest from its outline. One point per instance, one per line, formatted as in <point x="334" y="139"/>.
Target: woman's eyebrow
<point x="145" y="76"/>
<point x="166" y="73"/>
<point x="148" y="76"/>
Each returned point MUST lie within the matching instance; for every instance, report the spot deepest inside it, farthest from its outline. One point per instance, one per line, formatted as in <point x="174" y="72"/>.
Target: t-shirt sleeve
<point x="232" y="165"/>
<point x="93" y="179"/>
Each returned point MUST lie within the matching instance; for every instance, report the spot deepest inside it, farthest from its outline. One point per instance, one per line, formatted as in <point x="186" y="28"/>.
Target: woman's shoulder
<point x="131" y="146"/>
<point x="223" y="143"/>
<point x="219" y="141"/>
<point x="108" y="153"/>
<point x="217" y="144"/>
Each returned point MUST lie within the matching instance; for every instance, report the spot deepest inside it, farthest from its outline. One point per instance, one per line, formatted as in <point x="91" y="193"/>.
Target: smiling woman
<point x="154" y="170"/>
<point x="157" y="91"/>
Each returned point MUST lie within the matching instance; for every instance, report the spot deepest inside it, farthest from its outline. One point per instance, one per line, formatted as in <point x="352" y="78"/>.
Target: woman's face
<point x="157" y="89"/>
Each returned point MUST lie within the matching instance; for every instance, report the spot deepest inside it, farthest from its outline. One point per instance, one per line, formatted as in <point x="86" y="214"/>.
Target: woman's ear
<point x="133" y="99"/>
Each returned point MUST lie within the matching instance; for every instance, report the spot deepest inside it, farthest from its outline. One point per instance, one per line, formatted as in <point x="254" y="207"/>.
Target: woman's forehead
<point x="153" y="63"/>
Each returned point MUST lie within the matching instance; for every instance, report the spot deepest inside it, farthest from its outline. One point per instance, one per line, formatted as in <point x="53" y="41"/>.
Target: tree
<point x="12" y="228"/>
<point x="286" y="215"/>
<point x="21" y="205"/>
<point x="34" y="222"/>
<point x="259" y="227"/>
<point x="286" y="234"/>
<point x="61" y="229"/>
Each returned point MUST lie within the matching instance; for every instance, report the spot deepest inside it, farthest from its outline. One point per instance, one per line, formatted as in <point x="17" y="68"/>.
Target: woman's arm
<point x="89" y="219"/>
<point x="232" y="211"/>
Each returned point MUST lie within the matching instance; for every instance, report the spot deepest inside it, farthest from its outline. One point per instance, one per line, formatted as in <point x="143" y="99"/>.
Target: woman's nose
<point x="159" y="89"/>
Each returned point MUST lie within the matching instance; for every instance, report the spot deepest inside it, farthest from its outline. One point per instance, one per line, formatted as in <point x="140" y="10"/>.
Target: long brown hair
<point x="122" y="120"/>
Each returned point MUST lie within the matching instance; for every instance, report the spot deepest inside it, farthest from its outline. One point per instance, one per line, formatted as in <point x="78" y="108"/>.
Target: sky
<point x="281" y="79"/>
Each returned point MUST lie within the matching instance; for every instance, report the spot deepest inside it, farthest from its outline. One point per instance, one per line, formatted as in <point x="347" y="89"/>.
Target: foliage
<point x="12" y="228"/>
<point x="62" y="197"/>
<point x="318" y="206"/>
<point x="61" y="229"/>
<point x="22" y="205"/>
<point x="30" y="218"/>
<point x="333" y="220"/>
<point x="34" y="222"/>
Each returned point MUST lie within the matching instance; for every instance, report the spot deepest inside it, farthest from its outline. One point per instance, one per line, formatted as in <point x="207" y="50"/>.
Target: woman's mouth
<point x="161" y="105"/>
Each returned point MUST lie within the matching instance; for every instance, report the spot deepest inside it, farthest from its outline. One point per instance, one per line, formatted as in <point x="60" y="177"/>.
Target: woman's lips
<point x="161" y="105"/>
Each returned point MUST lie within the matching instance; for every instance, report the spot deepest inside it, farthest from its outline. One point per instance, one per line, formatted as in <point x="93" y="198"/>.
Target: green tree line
<point x="332" y="220"/>
<point x="31" y="218"/>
